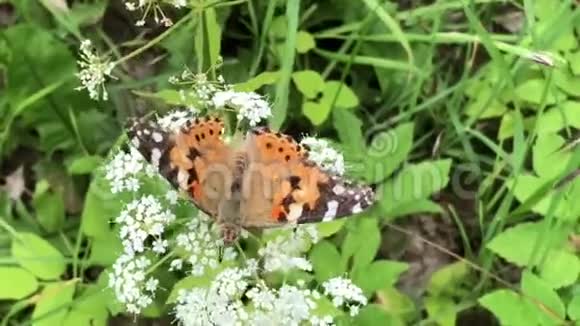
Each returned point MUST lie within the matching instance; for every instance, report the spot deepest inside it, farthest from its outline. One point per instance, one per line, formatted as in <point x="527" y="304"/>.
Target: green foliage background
<point x="459" y="115"/>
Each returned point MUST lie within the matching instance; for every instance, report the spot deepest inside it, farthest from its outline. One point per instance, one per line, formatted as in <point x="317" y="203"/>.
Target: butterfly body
<point x="266" y="181"/>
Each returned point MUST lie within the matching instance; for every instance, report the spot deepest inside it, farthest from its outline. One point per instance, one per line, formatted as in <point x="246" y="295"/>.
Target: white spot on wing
<point x="182" y="177"/>
<point x="295" y="211"/>
<point x="331" y="208"/>
<point x="356" y="208"/>
<point x="338" y="189"/>
<point x="157" y="137"/>
<point x="155" y="156"/>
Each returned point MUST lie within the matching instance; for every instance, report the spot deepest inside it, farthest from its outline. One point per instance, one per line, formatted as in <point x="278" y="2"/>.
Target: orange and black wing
<point x="281" y="186"/>
<point x="194" y="158"/>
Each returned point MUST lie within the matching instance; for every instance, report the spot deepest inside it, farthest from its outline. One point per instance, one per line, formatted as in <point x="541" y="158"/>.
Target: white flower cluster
<point x="343" y="291"/>
<point x="222" y="303"/>
<point x="94" y="71"/>
<point x="153" y="7"/>
<point x="141" y="219"/>
<point x="130" y="283"/>
<point x="202" y="89"/>
<point x="285" y="251"/>
<point x="249" y="105"/>
<point x="324" y="155"/>
<point x="201" y="245"/>
<point x="123" y="170"/>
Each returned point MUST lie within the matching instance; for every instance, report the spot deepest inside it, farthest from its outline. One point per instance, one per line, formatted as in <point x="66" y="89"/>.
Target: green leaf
<point x="326" y="229"/>
<point x="361" y="243"/>
<point x="574" y="61"/>
<point x="372" y="315"/>
<point x="89" y="308"/>
<point x="326" y="261"/>
<point x="387" y="151"/>
<point x="414" y="183"/>
<point x="349" y="129"/>
<point x="573" y="308"/>
<point x="308" y="82"/>
<point x="346" y="97"/>
<point x="510" y="308"/>
<point x="16" y="283"/>
<point x="38" y="256"/>
<point x="528" y="185"/>
<point x="442" y="310"/>
<point x="538" y="290"/>
<point x="524" y="234"/>
<point x="568" y="83"/>
<point x="51" y="307"/>
<point x="100" y="206"/>
<point x="252" y="84"/>
<point x="85" y="164"/>
<point x="105" y="250"/>
<point x="316" y="112"/>
<point x="304" y="42"/>
<point x="208" y="40"/>
<point x="379" y="275"/>
<point x="557" y="118"/>
<point x="49" y="207"/>
<point x="532" y="91"/>
<point x="548" y="159"/>
<point x="484" y="104"/>
<point x="447" y="279"/>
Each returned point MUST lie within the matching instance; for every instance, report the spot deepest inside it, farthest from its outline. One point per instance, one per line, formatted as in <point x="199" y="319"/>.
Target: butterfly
<point x="262" y="180"/>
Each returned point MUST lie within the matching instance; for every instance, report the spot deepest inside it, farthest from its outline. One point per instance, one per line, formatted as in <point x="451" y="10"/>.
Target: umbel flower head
<point x="94" y="71"/>
<point x="153" y="7"/>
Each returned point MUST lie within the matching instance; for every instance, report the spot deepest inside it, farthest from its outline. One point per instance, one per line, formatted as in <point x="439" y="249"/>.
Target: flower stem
<point x="156" y="40"/>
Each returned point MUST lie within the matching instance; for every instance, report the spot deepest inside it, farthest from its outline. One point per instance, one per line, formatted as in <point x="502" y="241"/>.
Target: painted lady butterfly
<point x="263" y="180"/>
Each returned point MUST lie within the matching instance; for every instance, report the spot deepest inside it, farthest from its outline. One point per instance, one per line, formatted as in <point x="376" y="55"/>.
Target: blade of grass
<point x="392" y="25"/>
<point x="287" y="66"/>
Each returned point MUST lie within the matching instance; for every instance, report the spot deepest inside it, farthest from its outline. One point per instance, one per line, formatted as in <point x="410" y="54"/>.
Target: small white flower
<point x="94" y="71"/>
<point x="324" y="155"/>
<point x="285" y="251"/>
<point x="143" y="218"/>
<point x="343" y="291"/>
<point x="123" y="170"/>
<point x="128" y="282"/>
<point x="201" y="307"/>
<point x="176" y="265"/>
<point x="202" y="245"/>
<point x="249" y="105"/>
<point x="172" y="196"/>
<point x="160" y="246"/>
<point x="153" y="7"/>
<point x="288" y="305"/>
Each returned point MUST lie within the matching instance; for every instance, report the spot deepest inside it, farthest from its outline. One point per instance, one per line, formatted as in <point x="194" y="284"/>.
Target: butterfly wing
<point x="281" y="186"/>
<point x="193" y="158"/>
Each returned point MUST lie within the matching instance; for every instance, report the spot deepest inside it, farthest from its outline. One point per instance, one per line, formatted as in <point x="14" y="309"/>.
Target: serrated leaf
<point x="372" y="315"/>
<point x="308" y="82"/>
<point x="38" y="256"/>
<point x="527" y="186"/>
<point x="524" y="234"/>
<point x="545" y="298"/>
<point x="557" y="118"/>
<point x="326" y="261"/>
<point x="51" y="307"/>
<point x="568" y="83"/>
<point x="414" y="183"/>
<point x="548" y="158"/>
<point x="85" y="164"/>
<point x="304" y="42"/>
<point x="16" y="283"/>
